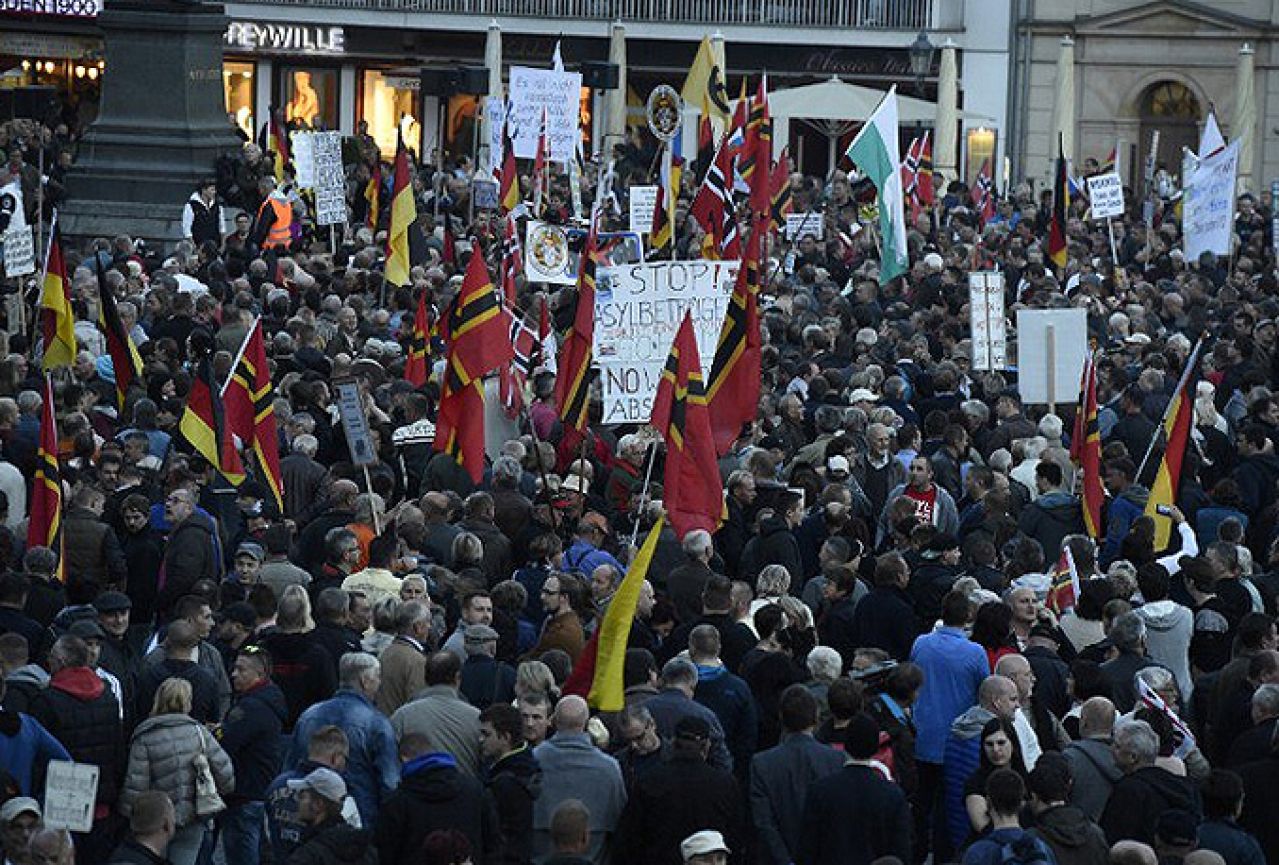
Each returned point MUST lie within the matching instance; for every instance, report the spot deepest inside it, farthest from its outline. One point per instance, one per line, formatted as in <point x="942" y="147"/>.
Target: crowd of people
<point x="858" y="666"/>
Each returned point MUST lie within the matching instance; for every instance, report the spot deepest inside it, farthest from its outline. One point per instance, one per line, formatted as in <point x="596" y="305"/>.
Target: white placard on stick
<point x="330" y="179"/>
<point x="302" y="149"/>
<point x="1051" y="346"/>
<point x="560" y="95"/>
<point x="19" y="251"/>
<point x="1106" y="195"/>
<point x="70" y="791"/>
<point x="799" y="224"/>
<point x="638" y="309"/>
<point x="986" y="316"/>
<point x="484" y="193"/>
<point x="643" y="202"/>
<point x="1209" y="204"/>
<point x="354" y="422"/>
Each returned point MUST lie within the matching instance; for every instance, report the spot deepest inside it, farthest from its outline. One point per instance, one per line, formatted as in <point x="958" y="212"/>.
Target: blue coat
<point x="962" y="757"/>
<point x="24" y="743"/>
<point x="780" y="778"/>
<point x="854" y="817"/>
<point x="990" y="850"/>
<point x="731" y="700"/>
<point x="373" y="764"/>
<point x="954" y="668"/>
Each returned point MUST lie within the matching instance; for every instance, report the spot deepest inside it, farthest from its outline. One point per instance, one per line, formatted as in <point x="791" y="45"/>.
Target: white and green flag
<point x="875" y="152"/>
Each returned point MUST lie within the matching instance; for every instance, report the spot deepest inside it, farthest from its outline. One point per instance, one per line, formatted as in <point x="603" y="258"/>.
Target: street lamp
<point x="921" y="60"/>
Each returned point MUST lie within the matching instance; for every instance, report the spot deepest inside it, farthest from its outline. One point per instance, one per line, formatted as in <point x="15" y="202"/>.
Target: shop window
<point x="981" y="147"/>
<point x="237" y="81"/>
<point x="389" y="103"/>
<point x="310" y="97"/>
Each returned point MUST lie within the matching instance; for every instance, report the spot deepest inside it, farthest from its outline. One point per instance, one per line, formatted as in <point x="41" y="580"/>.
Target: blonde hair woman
<point x="162" y="757"/>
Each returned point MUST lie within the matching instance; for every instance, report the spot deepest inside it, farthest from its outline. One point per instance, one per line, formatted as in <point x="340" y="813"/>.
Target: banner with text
<point x="560" y="95"/>
<point x="1106" y="195"/>
<point x="1209" y="206"/>
<point x="638" y="309"/>
<point x="330" y="180"/>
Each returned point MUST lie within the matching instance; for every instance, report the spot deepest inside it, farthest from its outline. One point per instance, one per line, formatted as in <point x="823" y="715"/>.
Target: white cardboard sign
<point x="560" y="95"/>
<point x="986" y="317"/>
<point x="1064" y="353"/>
<point x="1106" y="195"/>
<point x="643" y="202"/>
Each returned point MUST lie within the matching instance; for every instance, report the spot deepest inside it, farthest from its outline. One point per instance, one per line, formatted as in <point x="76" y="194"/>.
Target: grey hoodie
<point x="1093" y="767"/>
<point x="1169" y="627"/>
<point x="969" y="724"/>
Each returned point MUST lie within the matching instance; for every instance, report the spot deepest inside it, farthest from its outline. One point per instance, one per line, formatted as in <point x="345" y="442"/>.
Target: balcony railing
<point x="866" y="14"/>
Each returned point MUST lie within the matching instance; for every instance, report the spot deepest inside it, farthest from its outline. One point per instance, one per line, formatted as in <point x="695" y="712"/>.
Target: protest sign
<point x="1106" y="195"/>
<point x="330" y="179"/>
<point x="354" y="422"/>
<point x="19" y="251"/>
<point x="1209" y="204"/>
<point x="638" y="309"/>
<point x="1051" y="345"/>
<point x="553" y="253"/>
<point x="643" y="203"/>
<point x="986" y="317"/>
<point x="484" y="193"/>
<point x="559" y="94"/>
<point x="302" y="149"/>
<point x="495" y="110"/>
<point x="70" y="791"/>
<point x="799" y="224"/>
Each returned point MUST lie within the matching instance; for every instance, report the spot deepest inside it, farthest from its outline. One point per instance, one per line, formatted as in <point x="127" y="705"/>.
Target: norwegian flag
<point x="910" y="175"/>
<point x="517" y="373"/>
<point x="512" y="260"/>
<point x="983" y="193"/>
<point x="513" y="375"/>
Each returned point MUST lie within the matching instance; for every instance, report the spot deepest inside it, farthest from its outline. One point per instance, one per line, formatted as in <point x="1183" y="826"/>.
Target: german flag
<point x="403" y="215"/>
<point x="1061" y="209"/>
<point x="479" y="340"/>
<point x="204" y="425"/>
<point x="732" y="391"/>
<point x="274" y="138"/>
<point x="373" y="197"/>
<point x="779" y="189"/>
<point x="1178" y="420"/>
<point x="691" y="479"/>
<point x="572" y="385"/>
<point x="126" y="363"/>
<point x="415" y="371"/>
<point x="44" y="529"/>
<point x="1085" y="450"/>
<point x="757" y="158"/>
<point x="57" y="320"/>
<point x="663" y="232"/>
<point x="509" y="197"/>
<point x="250" y="409"/>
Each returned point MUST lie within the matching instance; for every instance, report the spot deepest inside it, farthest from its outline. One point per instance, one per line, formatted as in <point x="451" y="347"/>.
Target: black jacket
<point x="1139" y="798"/>
<point x="674" y="800"/>
<point x="486" y="681"/>
<point x="1073" y="838"/>
<point x="836" y="629"/>
<point x="774" y="545"/>
<point x="735" y="639"/>
<point x="1261" y="803"/>
<point x="1051" y="674"/>
<point x="434" y="794"/>
<point x="886" y="619"/>
<point x="204" y="688"/>
<point x="251" y="737"/>
<point x="82" y="713"/>
<point x="335" y="843"/>
<point x="143" y="554"/>
<point x="514" y="782"/>
<point x="130" y="852"/>
<point x="779" y="781"/>
<point x="92" y="550"/>
<point x="854" y="817"/>
<point x="302" y="668"/>
<point x="189" y="556"/>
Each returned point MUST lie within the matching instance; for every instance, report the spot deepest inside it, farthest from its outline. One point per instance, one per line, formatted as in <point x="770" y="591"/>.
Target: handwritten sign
<point x="19" y="251"/>
<point x="354" y="422"/>
<point x="484" y="193"/>
<point x="800" y="224"/>
<point x="1209" y="207"/>
<point x="302" y="149"/>
<point x="986" y="317"/>
<point x="638" y="309"/>
<point x="559" y="94"/>
<point x="643" y="203"/>
<point x="1106" y="195"/>
<point x="330" y="179"/>
<point x="69" y="794"/>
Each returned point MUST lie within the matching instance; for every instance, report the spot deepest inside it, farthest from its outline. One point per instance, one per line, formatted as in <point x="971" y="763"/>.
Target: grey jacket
<point x="451" y="723"/>
<point x="945" y="514"/>
<point x="573" y="768"/>
<point x="1095" y="773"/>
<point x="160" y="758"/>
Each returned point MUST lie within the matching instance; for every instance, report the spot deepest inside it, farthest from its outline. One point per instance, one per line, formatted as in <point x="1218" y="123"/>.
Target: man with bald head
<point x="1092" y="763"/>
<point x="437" y="542"/>
<point x="1133" y="853"/>
<point x="573" y="768"/>
<point x="996" y="698"/>
<point x="340" y="512"/>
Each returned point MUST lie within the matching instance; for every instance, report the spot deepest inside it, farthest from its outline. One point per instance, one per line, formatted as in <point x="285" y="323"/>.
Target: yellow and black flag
<point x="126" y="363"/>
<point x="44" y="529"/>
<point x="57" y="320"/>
<point x="403" y="215"/>
<point x="204" y="425"/>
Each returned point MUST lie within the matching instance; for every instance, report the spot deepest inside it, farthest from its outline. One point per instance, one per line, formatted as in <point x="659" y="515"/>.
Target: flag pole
<point x="239" y="355"/>
<point x="648" y="476"/>
<point x="1181" y="384"/>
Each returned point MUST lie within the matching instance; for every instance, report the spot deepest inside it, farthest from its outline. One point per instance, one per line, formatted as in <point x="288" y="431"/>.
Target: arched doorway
<point x="1173" y="109"/>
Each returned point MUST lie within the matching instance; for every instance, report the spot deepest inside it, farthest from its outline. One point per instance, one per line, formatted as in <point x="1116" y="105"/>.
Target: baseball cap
<point x="324" y="783"/>
<point x="837" y="463"/>
<point x="701" y="843"/>
<point x="249" y="548"/>
<point x="112" y="602"/>
<point x="19" y="805"/>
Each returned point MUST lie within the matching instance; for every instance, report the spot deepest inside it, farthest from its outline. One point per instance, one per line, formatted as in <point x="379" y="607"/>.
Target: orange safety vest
<point x="281" y="233"/>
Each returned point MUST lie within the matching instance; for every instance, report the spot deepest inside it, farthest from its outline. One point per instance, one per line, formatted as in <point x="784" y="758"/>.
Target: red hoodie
<point x="80" y="682"/>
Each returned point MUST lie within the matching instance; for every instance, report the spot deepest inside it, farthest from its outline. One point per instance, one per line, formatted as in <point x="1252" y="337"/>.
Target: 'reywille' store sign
<point x="291" y="38"/>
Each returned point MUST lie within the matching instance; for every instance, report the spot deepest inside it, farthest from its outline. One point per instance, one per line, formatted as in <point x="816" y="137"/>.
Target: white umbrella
<point x="1064" y="109"/>
<point x="947" y="122"/>
<point x="615" y="100"/>
<point x="492" y="62"/>
<point x="1244" y="123"/>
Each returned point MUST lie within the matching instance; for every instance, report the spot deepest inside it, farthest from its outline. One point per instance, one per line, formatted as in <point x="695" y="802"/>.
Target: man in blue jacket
<point x="1008" y="842"/>
<point x="953" y="668"/>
